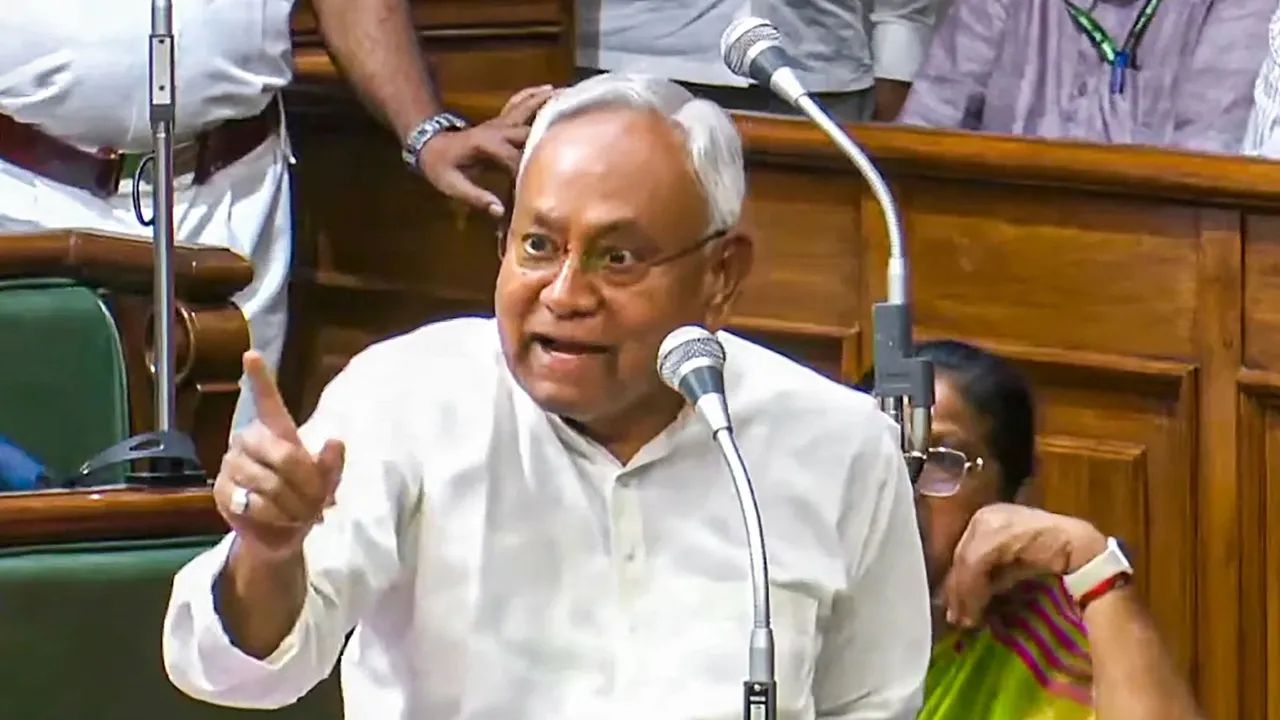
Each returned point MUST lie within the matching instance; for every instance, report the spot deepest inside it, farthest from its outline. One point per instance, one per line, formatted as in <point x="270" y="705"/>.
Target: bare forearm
<point x="374" y="43"/>
<point x="1134" y="679"/>
<point x="259" y="603"/>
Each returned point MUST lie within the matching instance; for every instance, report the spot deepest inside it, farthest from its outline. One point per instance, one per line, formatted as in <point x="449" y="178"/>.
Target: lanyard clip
<point x="1122" y="62"/>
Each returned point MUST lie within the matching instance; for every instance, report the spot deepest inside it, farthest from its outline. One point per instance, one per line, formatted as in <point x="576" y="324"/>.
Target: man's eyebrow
<point x="543" y="219"/>
<point x="622" y="226"/>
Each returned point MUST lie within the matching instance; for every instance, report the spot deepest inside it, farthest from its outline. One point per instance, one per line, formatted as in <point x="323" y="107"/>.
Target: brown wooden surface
<point x="115" y="514"/>
<point x="211" y="333"/>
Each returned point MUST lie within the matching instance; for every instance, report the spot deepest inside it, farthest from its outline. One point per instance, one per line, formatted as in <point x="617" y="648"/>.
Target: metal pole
<point x="162" y="126"/>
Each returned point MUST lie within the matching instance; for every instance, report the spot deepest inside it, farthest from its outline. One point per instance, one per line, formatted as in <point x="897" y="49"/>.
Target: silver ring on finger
<point x="239" y="501"/>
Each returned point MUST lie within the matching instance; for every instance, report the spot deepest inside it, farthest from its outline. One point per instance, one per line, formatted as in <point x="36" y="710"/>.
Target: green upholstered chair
<point x="63" y="396"/>
<point x="80" y="636"/>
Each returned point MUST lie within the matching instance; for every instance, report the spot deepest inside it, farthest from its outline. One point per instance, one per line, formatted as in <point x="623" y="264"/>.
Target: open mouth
<point x="559" y="346"/>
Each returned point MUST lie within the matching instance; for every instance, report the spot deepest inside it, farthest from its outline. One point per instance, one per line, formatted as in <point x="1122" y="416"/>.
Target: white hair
<point x="711" y="140"/>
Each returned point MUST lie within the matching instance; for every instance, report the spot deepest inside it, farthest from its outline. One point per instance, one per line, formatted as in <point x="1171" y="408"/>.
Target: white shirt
<point x="1262" y="134"/>
<point x="839" y="45"/>
<point x="495" y="565"/>
<point x="78" y="69"/>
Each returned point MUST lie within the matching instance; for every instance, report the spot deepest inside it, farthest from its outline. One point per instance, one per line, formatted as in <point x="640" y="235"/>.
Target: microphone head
<point x="687" y="348"/>
<point x="743" y="40"/>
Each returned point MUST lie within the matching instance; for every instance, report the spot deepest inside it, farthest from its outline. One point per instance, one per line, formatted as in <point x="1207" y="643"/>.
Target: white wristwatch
<point x="1100" y="571"/>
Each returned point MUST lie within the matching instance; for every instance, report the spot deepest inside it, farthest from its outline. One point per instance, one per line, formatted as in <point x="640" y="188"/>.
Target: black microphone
<point x="691" y="362"/>
<point x="752" y="48"/>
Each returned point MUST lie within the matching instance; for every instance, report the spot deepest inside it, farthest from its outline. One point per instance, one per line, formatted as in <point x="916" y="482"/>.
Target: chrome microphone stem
<point x="761" y="653"/>
<point x="899" y="283"/>
<point x="162" y="127"/>
<point x="904" y="383"/>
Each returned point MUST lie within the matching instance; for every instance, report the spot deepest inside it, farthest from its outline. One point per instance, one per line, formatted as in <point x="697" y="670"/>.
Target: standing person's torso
<point x="680" y="39"/>
<point x="1048" y="80"/>
<point x="543" y="579"/>
<point x="78" y="69"/>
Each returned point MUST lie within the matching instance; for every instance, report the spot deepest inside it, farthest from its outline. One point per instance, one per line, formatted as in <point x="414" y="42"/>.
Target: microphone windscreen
<point x="685" y="344"/>
<point x="741" y="37"/>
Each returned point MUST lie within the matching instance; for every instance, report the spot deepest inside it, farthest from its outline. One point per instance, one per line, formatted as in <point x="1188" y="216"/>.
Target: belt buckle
<point x="110" y="172"/>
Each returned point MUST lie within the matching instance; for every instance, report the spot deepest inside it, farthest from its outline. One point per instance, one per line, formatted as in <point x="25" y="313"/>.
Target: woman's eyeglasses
<point x="944" y="471"/>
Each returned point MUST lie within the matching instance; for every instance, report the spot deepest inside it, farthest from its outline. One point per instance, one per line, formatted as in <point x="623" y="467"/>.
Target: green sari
<point x="1030" y="662"/>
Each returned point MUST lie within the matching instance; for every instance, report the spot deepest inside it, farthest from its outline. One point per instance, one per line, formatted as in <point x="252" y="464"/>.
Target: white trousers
<point x="245" y="207"/>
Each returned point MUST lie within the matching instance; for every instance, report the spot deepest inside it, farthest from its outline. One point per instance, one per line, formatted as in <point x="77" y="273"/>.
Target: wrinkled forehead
<point x="608" y="165"/>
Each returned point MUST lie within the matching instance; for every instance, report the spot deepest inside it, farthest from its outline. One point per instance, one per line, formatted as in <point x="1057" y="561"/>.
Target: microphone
<point x="691" y="362"/>
<point x="752" y="48"/>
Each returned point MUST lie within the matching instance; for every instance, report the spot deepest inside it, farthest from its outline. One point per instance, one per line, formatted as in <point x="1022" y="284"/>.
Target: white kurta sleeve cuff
<point x="212" y="641"/>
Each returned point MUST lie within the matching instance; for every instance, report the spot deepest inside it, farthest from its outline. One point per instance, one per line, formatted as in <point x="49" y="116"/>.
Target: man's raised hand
<point x="270" y="489"/>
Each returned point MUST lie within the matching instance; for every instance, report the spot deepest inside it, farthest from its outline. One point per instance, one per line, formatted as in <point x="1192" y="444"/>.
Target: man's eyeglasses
<point x="612" y="264"/>
<point x="944" y="471"/>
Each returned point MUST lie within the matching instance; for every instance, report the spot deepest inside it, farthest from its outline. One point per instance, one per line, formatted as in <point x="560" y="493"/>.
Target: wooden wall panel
<point x="1259" y="451"/>
<point x="1016" y="274"/>
<point x="1262" y="292"/>
<point x="1121" y="459"/>
<point x="1102" y="478"/>
<point x="805" y="281"/>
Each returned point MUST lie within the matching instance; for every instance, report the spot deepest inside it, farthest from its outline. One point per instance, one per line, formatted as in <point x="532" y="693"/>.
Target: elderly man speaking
<point x="518" y="519"/>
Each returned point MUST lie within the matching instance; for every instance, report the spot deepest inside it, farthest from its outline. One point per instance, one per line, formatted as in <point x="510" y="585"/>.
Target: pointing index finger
<point x="266" y="398"/>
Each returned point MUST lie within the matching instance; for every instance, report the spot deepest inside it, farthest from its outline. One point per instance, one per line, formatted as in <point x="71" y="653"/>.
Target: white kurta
<point x="496" y="565"/>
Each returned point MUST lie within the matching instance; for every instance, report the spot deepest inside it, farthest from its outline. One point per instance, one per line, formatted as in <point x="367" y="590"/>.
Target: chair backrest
<point x="63" y="393"/>
<point x="80" y="636"/>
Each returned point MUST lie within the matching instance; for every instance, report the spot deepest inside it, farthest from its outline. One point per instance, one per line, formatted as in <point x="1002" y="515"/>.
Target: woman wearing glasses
<point x="1034" y="616"/>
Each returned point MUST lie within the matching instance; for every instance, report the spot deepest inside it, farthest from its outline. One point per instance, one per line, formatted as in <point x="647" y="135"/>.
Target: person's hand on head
<point x="270" y="489"/>
<point x="451" y="160"/>
<point x="1005" y="544"/>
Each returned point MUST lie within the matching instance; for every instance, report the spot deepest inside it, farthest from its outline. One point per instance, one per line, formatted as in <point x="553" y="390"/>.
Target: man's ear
<point x="731" y="262"/>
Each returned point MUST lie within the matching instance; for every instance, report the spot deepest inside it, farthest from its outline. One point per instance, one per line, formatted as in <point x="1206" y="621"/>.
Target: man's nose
<point x="571" y="292"/>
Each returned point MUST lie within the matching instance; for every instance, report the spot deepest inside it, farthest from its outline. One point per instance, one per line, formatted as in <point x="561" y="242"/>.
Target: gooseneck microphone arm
<point x="760" y="695"/>
<point x="691" y="362"/>
<point x="752" y="48"/>
<point x="903" y="383"/>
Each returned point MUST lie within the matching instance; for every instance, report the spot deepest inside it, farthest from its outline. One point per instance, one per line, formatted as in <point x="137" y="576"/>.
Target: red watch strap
<point x="1114" y="582"/>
